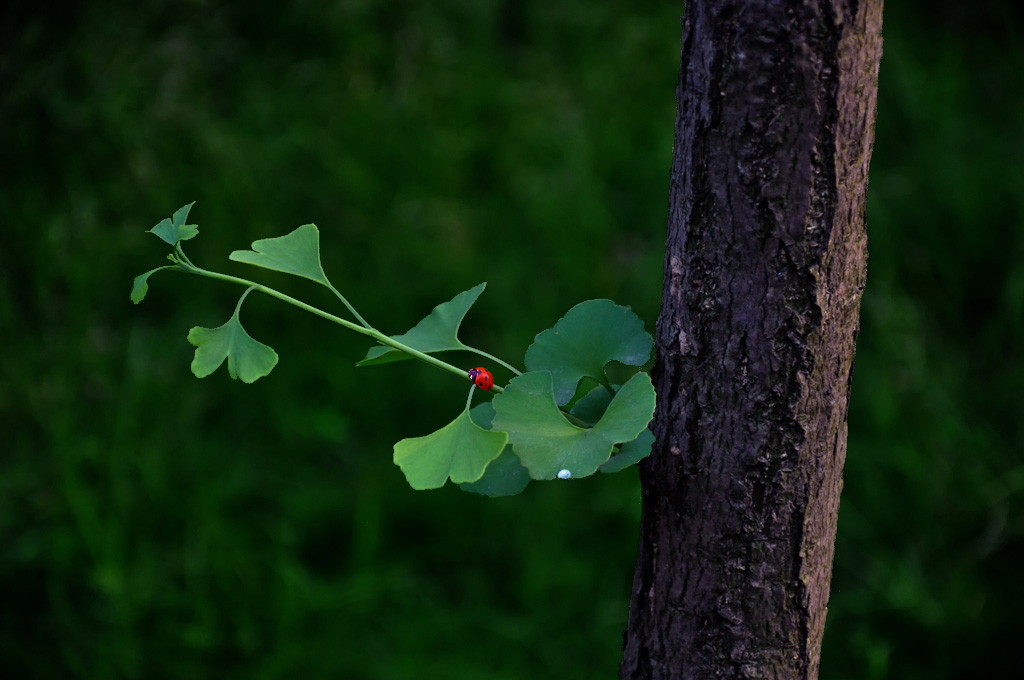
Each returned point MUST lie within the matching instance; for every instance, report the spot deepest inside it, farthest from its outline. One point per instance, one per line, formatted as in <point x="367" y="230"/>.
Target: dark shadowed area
<point x="153" y="525"/>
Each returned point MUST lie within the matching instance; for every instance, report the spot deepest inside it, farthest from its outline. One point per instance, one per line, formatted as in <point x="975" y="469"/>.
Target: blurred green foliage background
<point x="156" y="526"/>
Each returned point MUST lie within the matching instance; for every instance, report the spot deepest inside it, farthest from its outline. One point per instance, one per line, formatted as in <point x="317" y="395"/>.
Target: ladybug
<point x="481" y="377"/>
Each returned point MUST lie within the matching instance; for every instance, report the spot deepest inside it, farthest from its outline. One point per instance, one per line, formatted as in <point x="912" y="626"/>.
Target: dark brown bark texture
<point x="764" y="269"/>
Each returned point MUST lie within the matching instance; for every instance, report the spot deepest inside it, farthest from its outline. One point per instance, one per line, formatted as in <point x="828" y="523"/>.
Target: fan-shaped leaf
<point x="140" y="286"/>
<point x="173" y="230"/>
<point x="296" y="253"/>
<point x="437" y="332"/>
<point x="588" y="337"/>
<point x="547" y="444"/>
<point x="461" y="451"/>
<point x="247" y="358"/>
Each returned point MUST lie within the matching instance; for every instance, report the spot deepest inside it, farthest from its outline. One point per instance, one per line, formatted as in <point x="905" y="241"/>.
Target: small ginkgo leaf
<point x="140" y="286"/>
<point x="185" y="231"/>
<point x="181" y="214"/>
<point x="248" y="359"/>
<point x="630" y="453"/>
<point x="437" y="332"/>
<point x="297" y="253"/>
<point x="173" y="230"/>
<point x="460" y="451"/>
<point x="548" y="445"/>
<point x="584" y="341"/>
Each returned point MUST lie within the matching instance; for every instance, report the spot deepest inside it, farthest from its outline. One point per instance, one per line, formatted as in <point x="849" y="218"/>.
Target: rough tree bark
<point x="764" y="269"/>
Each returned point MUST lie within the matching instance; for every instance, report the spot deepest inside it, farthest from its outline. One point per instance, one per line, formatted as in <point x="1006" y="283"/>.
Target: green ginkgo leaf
<point x="548" y="445"/>
<point x="630" y="453"/>
<point x="437" y="332"/>
<point x="296" y="253"/>
<point x="460" y="451"/>
<point x="140" y="286"/>
<point x="248" y="359"/>
<point x="173" y="230"/>
<point x="584" y="341"/>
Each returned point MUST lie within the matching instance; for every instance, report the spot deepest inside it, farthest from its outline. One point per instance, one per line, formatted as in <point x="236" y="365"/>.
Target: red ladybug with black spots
<point x="481" y="377"/>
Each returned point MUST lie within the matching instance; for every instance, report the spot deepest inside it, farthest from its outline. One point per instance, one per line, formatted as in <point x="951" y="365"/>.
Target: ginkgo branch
<point x="187" y="267"/>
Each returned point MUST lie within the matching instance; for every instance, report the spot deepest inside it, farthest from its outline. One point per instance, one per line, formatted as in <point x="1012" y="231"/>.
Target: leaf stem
<point x="349" y="305"/>
<point x="493" y="358"/>
<point x="469" y="399"/>
<point x="238" y="307"/>
<point x="363" y="330"/>
<point x="181" y="253"/>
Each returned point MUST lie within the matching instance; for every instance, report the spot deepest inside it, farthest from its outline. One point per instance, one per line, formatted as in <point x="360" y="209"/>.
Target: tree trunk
<point x="764" y="269"/>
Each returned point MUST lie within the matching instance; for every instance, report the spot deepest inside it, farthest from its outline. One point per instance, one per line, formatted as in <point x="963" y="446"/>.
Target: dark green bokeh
<point x="154" y="525"/>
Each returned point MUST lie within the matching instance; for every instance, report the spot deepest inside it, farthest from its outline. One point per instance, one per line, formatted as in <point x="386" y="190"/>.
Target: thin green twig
<point x="363" y="330"/>
<point x="493" y="358"/>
